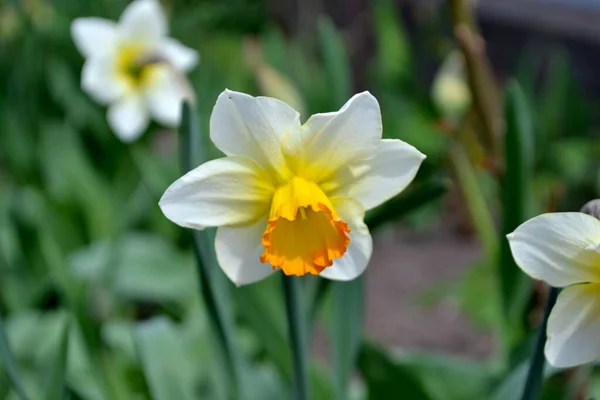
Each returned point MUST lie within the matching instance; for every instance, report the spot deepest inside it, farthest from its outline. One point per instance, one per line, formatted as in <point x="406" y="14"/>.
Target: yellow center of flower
<point x="135" y="66"/>
<point x="304" y="233"/>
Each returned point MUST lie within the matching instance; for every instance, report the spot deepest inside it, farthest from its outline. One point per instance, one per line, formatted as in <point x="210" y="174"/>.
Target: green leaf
<point x="448" y="377"/>
<point x="393" y="56"/>
<point x="511" y="387"/>
<point x="8" y="363"/>
<point x="346" y="328"/>
<point x="164" y="361"/>
<point x="517" y="202"/>
<point x="387" y="380"/>
<point x="58" y="373"/>
<point x="260" y="307"/>
<point x="213" y="283"/>
<point x="335" y="60"/>
<point x="139" y="266"/>
<point x="297" y="334"/>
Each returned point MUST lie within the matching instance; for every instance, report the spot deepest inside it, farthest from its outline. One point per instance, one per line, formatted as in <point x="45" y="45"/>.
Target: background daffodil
<point x="292" y="196"/>
<point x="562" y="249"/>
<point x="133" y="67"/>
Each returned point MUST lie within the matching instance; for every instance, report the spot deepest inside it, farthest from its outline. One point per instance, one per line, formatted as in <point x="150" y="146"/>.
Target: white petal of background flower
<point x="100" y="81"/>
<point x="380" y="178"/>
<point x="128" y="117"/>
<point x="574" y="327"/>
<point x="165" y="94"/>
<point x="94" y="37"/>
<point x="330" y="141"/>
<point x="144" y="22"/>
<point x="238" y="253"/>
<point x="221" y="192"/>
<point x="180" y="56"/>
<point x="355" y="260"/>
<point x="552" y="247"/>
<point x="247" y="126"/>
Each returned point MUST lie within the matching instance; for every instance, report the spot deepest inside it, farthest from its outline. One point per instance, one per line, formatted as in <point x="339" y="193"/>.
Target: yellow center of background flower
<point x="304" y="233"/>
<point x="134" y="66"/>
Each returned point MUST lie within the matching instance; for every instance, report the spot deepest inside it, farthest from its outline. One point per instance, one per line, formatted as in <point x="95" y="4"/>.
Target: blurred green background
<point x="99" y="294"/>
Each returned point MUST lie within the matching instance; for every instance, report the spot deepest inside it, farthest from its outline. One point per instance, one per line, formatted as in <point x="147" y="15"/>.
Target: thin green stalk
<point x="533" y="384"/>
<point x="8" y="361"/>
<point x="298" y="335"/>
<point x="190" y="150"/>
<point x="475" y="199"/>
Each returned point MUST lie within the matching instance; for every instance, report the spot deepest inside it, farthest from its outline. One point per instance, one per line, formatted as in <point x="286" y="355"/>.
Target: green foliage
<point x="103" y="298"/>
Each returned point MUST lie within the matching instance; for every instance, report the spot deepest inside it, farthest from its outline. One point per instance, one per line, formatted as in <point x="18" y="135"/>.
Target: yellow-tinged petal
<point x="242" y="125"/>
<point x="230" y="191"/>
<point x="327" y="142"/>
<point x="574" y="327"/>
<point x="558" y="248"/>
<point x="377" y="179"/>
<point x="304" y="233"/>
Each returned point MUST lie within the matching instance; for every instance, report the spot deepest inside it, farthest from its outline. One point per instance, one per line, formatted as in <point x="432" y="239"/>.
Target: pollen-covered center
<point x="134" y="66"/>
<point x="304" y="233"/>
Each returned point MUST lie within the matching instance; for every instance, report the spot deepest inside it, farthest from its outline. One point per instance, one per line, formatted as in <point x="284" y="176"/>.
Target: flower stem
<point x="9" y="364"/>
<point x="211" y="289"/>
<point x="298" y="335"/>
<point x="533" y="384"/>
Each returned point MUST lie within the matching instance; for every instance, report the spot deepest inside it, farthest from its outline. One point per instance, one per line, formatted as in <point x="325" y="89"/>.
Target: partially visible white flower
<point x="563" y="249"/>
<point x="292" y="196"/>
<point x="450" y="91"/>
<point x="132" y="66"/>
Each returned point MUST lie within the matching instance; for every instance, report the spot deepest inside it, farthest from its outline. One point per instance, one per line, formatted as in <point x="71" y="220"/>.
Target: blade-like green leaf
<point x="57" y="377"/>
<point x="214" y="289"/>
<point x="519" y="140"/>
<point x="335" y="61"/>
<point x="297" y="333"/>
<point x="346" y="328"/>
<point x="533" y="384"/>
<point x="162" y="357"/>
<point x="8" y="363"/>
<point x="385" y="379"/>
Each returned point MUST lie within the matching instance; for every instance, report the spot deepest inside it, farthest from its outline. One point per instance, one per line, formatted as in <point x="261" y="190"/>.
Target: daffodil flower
<point x="563" y="249"/>
<point x="291" y="196"/>
<point x="134" y="67"/>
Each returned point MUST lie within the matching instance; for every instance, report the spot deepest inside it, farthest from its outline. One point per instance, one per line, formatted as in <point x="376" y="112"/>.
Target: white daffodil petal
<point x="574" y="327"/>
<point x="144" y="22"/>
<point x="128" y="117"/>
<point x="238" y="253"/>
<point x="100" y="80"/>
<point x="223" y="192"/>
<point x="355" y="260"/>
<point x="554" y="248"/>
<point x="165" y="93"/>
<point x="380" y="178"/>
<point x="330" y="141"/>
<point x="94" y="37"/>
<point x="252" y="127"/>
<point x="181" y="57"/>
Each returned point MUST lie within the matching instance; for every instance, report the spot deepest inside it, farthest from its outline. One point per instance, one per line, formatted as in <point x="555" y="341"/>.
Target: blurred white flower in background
<point x="291" y="196"/>
<point x="563" y="249"/>
<point x="132" y="66"/>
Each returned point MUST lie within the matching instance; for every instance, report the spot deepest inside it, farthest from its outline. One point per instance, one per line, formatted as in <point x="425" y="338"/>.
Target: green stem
<point x="190" y="153"/>
<point x="533" y="384"/>
<point x="297" y="334"/>
<point x="9" y="364"/>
